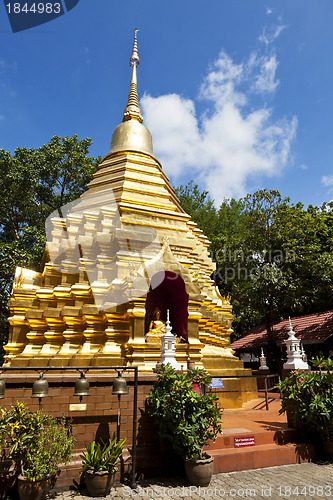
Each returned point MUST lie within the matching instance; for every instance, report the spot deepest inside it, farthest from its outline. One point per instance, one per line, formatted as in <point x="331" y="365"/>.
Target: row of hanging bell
<point x="119" y="386"/>
<point x="40" y="388"/>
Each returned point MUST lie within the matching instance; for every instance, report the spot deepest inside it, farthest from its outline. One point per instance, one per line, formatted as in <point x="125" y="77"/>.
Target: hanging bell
<point x="119" y="385"/>
<point x="2" y="388"/>
<point x="82" y="386"/>
<point x="40" y="388"/>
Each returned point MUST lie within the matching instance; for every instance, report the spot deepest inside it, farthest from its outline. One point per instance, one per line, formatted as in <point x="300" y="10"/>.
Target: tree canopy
<point x="200" y="206"/>
<point x="275" y="258"/>
<point x="35" y="182"/>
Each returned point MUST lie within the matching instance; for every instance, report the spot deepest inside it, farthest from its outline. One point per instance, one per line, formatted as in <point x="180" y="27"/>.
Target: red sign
<point x="244" y="441"/>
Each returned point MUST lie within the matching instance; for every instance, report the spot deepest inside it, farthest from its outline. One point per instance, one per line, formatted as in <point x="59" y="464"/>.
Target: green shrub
<point x="37" y="442"/>
<point x="308" y="399"/>
<point x="185" y="417"/>
<point x="51" y="446"/>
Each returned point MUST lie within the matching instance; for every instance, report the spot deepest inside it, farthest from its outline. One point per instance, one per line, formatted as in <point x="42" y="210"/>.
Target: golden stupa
<point x="125" y="249"/>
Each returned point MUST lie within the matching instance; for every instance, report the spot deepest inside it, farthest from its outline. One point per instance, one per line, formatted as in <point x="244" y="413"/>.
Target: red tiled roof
<point x="310" y="329"/>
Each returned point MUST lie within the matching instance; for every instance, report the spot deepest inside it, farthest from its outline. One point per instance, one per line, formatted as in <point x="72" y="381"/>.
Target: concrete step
<point x="258" y="456"/>
<point x="226" y="440"/>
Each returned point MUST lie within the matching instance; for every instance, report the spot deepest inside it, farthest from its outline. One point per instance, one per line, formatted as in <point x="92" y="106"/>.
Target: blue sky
<point x="237" y="94"/>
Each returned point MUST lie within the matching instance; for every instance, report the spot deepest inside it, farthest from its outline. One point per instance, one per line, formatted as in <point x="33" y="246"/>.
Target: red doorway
<point x="167" y="291"/>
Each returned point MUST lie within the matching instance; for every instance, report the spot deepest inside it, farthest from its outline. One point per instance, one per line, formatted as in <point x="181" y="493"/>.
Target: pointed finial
<point x="291" y="332"/>
<point x="290" y="325"/>
<point x="132" y="110"/>
<point x="135" y="54"/>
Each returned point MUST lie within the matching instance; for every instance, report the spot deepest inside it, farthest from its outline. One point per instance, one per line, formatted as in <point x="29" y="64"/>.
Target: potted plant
<point x="18" y="427"/>
<point x="52" y="445"/>
<point x="99" y="465"/>
<point x="308" y="400"/>
<point x="8" y="471"/>
<point x="187" y="417"/>
<point x="38" y="443"/>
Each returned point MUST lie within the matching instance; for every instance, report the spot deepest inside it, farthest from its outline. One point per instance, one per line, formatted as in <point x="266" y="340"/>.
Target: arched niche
<point x="167" y="291"/>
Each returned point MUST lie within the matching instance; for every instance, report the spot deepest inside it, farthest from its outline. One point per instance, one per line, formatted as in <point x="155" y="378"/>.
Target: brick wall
<point x="98" y="420"/>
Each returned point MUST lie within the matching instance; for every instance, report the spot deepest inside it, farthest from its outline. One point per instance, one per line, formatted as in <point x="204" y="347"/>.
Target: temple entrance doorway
<point x="167" y="291"/>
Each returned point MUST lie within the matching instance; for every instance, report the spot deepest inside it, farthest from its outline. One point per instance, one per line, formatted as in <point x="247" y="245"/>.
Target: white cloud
<point x="264" y="80"/>
<point x="174" y="126"/>
<point x="269" y="35"/>
<point x="233" y="142"/>
<point x="219" y="85"/>
<point x="2" y="117"/>
<point x="327" y="180"/>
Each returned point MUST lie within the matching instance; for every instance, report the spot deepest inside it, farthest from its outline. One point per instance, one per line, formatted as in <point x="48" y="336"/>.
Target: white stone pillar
<point x="294" y="353"/>
<point x="263" y="365"/>
<point x="168" y="354"/>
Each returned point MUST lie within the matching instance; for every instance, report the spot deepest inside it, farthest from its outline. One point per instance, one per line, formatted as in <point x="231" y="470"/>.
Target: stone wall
<point x="98" y="420"/>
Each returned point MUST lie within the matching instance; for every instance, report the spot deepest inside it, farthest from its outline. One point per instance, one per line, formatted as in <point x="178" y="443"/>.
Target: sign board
<point x="240" y="442"/>
<point x="78" y="407"/>
<point x="216" y="383"/>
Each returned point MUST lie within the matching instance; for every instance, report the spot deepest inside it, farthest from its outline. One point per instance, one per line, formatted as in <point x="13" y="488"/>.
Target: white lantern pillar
<point x="168" y="353"/>
<point x="263" y="365"/>
<point x="294" y="353"/>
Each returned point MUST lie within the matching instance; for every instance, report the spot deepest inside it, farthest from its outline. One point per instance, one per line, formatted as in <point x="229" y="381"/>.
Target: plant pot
<point x="8" y="478"/>
<point x="199" y="473"/>
<point x="328" y="448"/>
<point x="98" y="483"/>
<point x="33" y="490"/>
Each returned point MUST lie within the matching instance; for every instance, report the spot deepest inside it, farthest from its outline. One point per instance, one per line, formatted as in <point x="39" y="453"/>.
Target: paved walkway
<point x="302" y="481"/>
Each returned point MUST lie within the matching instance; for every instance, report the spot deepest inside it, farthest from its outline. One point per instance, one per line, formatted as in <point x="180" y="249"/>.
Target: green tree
<point x="34" y="183"/>
<point x="200" y="206"/>
<point x="275" y="258"/>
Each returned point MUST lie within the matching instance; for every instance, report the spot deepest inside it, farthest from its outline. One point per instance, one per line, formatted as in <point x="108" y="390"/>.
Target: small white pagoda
<point x="294" y="353"/>
<point x="168" y="354"/>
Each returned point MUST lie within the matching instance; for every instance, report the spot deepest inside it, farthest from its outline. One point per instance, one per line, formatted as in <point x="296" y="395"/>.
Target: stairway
<point x="262" y="439"/>
<point x="268" y="450"/>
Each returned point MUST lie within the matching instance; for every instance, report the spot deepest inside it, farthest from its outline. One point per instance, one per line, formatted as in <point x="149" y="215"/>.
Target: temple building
<point x="116" y="261"/>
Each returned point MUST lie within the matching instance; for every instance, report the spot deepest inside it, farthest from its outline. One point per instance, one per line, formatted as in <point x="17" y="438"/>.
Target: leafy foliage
<point x="98" y="458"/>
<point x="273" y="257"/>
<point x="52" y="445"/>
<point x="21" y="425"/>
<point x="308" y="398"/>
<point x="185" y="417"/>
<point x="35" y="182"/>
<point x="200" y="206"/>
<point x="37" y="441"/>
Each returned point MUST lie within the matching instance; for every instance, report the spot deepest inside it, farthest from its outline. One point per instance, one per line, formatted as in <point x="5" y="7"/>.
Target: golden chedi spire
<point x="132" y="109"/>
<point x="131" y="134"/>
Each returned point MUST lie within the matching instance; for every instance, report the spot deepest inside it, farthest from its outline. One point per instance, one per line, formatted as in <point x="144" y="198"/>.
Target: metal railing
<point x="265" y="390"/>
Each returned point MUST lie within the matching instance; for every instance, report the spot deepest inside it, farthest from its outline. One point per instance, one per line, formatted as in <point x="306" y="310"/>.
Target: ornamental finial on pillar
<point x="132" y="110"/>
